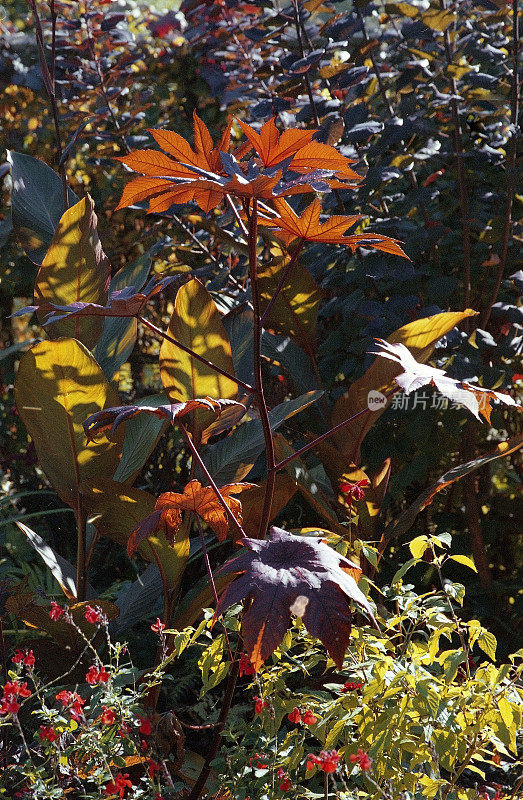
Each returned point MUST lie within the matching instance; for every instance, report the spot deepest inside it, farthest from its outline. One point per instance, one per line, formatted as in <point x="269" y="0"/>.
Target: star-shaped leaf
<point x="197" y="499"/>
<point x="290" y="226"/>
<point x="293" y="574"/>
<point x="475" y="398"/>
<point x="110" y="418"/>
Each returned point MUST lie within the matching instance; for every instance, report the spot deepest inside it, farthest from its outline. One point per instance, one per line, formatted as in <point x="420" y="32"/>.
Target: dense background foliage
<point x="424" y="97"/>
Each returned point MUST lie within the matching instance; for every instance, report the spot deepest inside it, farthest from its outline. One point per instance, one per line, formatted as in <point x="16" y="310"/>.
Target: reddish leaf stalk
<point x="188" y="350"/>
<point x="311" y="445"/>
<point x="511" y="165"/>
<point x="258" y="379"/>
<point x="283" y="278"/>
<point x="194" y="450"/>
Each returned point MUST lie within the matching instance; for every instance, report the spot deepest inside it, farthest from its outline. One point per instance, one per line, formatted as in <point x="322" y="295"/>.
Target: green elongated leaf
<point x="37" y="203"/>
<point x="283" y="351"/>
<point x="58" y="385"/>
<point x="232" y="458"/>
<point x="119" y="333"/>
<point x="141" y="435"/>
<point x="239" y="325"/>
<point x="75" y="269"/>
<point x="197" y="324"/>
<point x="465" y="560"/>
<point x="419" y="336"/>
<point x="61" y="569"/>
<point x="405" y="520"/>
<point x="118" y="509"/>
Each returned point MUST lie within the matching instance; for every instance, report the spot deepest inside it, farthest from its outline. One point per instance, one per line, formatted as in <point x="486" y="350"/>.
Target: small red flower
<point x="326" y="761"/>
<point x="108" y="716"/>
<point x="362" y="758"/>
<point x="18" y="657"/>
<point x="309" y="718"/>
<point x="352" y="686"/>
<point x="120" y="785"/>
<point x="92" y="615"/>
<point x="56" y="611"/>
<point x="259" y="704"/>
<point x="29" y="659"/>
<point x="354" y="491"/>
<point x="312" y="761"/>
<point x="259" y="761"/>
<point x="154" y="767"/>
<point x="158" y="626"/>
<point x="64" y="696"/>
<point x="285" y="785"/>
<point x="9" y="706"/>
<point x="246" y="667"/>
<point x="73" y="700"/>
<point x="48" y="732"/>
<point x="95" y="675"/>
<point x="295" y="716"/>
<point x="280" y="773"/>
<point x="145" y="725"/>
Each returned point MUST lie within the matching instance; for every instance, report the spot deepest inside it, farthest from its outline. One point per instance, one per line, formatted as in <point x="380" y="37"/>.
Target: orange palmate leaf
<point x="198" y="499"/>
<point x="290" y="226"/>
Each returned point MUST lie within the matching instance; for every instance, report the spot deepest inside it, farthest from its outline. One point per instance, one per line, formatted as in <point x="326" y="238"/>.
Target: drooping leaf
<point x="415" y="375"/>
<point x="196" y="323"/>
<point x="117" y="510"/>
<point x="293" y="574"/>
<point x="74" y="270"/>
<point x="232" y="458"/>
<point x="58" y="384"/>
<point x="37" y="203"/>
<point x="136" y="601"/>
<point x="197" y="499"/>
<point x="406" y="519"/>
<point x="419" y="337"/>
<point x="61" y="569"/>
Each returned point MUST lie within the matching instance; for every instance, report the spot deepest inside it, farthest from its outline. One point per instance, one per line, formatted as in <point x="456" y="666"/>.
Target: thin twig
<point x="198" y="357"/>
<point x="339" y="427"/>
<point x="258" y="379"/>
<point x="510" y="167"/>
<point x="194" y="450"/>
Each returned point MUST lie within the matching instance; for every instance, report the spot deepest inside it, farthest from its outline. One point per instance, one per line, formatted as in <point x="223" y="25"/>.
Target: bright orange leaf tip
<point x="273" y="148"/>
<point x="197" y="499"/>
<point x="289" y="226"/>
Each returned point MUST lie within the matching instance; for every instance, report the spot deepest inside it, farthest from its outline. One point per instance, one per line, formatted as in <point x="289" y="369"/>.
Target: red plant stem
<point x="211" y="581"/>
<point x="283" y="278"/>
<point x="188" y="350"/>
<point x="199" y="786"/>
<point x="194" y="450"/>
<point x="326" y="435"/>
<point x="511" y="165"/>
<point x="258" y="380"/>
<point x="49" y="83"/>
<point x="460" y="165"/>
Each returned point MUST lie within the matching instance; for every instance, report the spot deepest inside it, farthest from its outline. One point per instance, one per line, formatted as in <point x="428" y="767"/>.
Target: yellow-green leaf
<point x="488" y="643"/>
<point x="465" y="560"/>
<point x="58" y="385"/>
<point x="196" y="323"/>
<point x="418" y="546"/>
<point x="75" y="269"/>
<point x="420" y="337"/>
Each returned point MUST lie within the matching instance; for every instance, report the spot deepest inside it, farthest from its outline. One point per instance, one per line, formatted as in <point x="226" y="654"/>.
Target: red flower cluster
<point x="259" y="704"/>
<point x="362" y="758"/>
<point x="326" y="761"/>
<point x="154" y="767"/>
<point x="145" y="725"/>
<point x="307" y="718"/>
<point x="73" y="701"/>
<point x="158" y="626"/>
<point x="11" y="692"/>
<point x="92" y="615"/>
<point x="95" y="675"/>
<point x="108" y="716"/>
<point x="23" y="657"/>
<point x="48" y="732"/>
<point x="354" y="491"/>
<point x="285" y="784"/>
<point x="120" y="785"/>
<point x="56" y="611"/>
<point x="351" y="686"/>
<point x="246" y="667"/>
